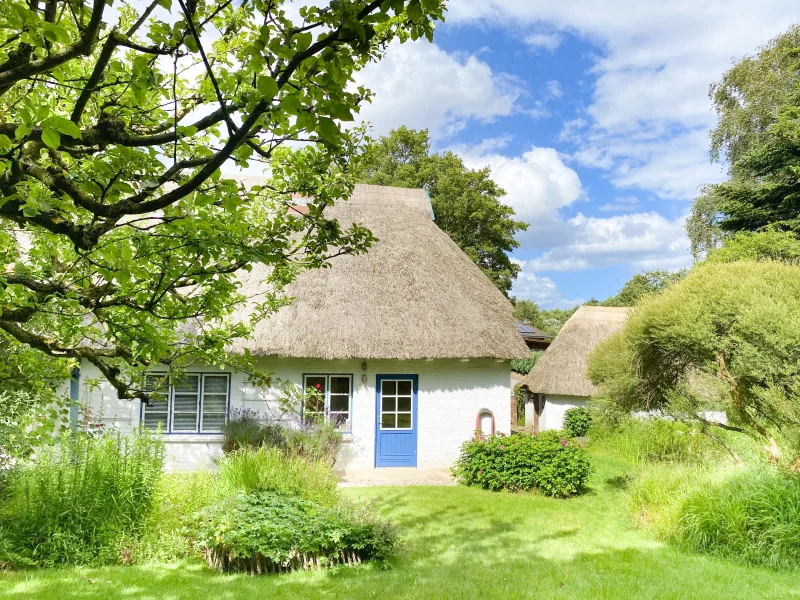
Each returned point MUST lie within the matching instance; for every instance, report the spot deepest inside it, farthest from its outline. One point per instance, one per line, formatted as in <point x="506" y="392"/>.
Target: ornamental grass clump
<point x="263" y="532"/>
<point x="547" y="461"/>
<point x="270" y="470"/>
<point x="82" y="503"/>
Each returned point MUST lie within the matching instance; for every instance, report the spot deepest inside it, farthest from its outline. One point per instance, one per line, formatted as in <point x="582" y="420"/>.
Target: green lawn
<point x="461" y="543"/>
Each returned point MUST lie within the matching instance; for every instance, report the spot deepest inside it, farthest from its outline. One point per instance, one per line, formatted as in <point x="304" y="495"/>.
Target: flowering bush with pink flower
<point x="548" y="462"/>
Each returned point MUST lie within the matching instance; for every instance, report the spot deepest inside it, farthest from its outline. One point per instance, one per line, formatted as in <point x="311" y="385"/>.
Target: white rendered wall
<point x="451" y="392"/>
<point x="552" y="416"/>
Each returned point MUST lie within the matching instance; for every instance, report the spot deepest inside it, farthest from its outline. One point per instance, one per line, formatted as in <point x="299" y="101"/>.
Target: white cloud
<point x="542" y="290"/>
<point x="621" y="204"/>
<point x="537" y="183"/>
<point x="648" y="120"/>
<point x="419" y="85"/>
<point x="544" y="41"/>
<point x="554" y="89"/>
<point x="639" y="239"/>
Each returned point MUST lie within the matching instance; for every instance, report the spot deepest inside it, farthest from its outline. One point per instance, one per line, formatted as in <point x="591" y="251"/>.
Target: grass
<point x="461" y="543"/>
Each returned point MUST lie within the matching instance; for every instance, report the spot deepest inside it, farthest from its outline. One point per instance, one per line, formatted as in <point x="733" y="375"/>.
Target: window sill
<point x="193" y="438"/>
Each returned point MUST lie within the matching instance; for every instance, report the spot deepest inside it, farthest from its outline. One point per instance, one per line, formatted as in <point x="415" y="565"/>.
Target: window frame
<point x="198" y="430"/>
<point x="396" y="396"/>
<point x="326" y="413"/>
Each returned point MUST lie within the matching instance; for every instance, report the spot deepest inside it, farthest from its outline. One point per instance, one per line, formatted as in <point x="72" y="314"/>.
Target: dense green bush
<point x="270" y="470"/>
<point x="263" y="532"/>
<point x="316" y="442"/>
<point x="753" y="517"/>
<point x="577" y="421"/>
<point x="546" y="461"/>
<point x="84" y="504"/>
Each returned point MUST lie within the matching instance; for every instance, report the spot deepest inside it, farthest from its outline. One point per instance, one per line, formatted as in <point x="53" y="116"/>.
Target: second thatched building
<point x="558" y="381"/>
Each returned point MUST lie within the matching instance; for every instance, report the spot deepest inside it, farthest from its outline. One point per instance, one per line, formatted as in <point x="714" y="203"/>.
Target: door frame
<point x="414" y="414"/>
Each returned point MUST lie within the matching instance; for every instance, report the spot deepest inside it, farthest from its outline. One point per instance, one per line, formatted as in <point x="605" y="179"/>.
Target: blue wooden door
<point x="396" y="421"/>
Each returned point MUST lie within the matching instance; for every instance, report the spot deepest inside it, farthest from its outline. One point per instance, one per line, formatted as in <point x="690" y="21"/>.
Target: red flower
<point x="319" y="386"/>
<point x="501" y="447"/>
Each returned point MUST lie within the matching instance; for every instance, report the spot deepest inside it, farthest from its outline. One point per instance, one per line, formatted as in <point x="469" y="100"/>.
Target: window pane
<point x="387" y="421"/>
<point x="340" y="420"/>
<point x="388" y="404"/>
<point x="213" y="422"/>
<point x="404" y="403"/>
<point x="156" y="382"/>
<point x="404" y="388"/>
<point x="184" y="403"/>
<point x="189" y="384"/>
<point x="214" y="403"/>
<point x="388" y="388"/>
<point x="152" y="419"/>
<point x="184" y="422"/>
<point x="315" y="403"/>
<point x="340" y="385"/>
<point x="215" y="384"/>
<point x="404" y="421"/>
<point x="316" y="383"/>
<point x="339" y="403"/>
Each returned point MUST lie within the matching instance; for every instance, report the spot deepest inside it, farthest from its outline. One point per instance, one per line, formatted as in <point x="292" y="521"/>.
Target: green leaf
<point x="51" y="137"/>
<point x="339" y="110"/>
<point x="303" y="41"/>
<point x="23" y="129"/>
<point x="64" y="126"/>
<point x="267" y="86"/>
<point x="329" y="130"/>
<point x="430" y="5"/>
<point x="291" y="104"/>
<point x="414" y="11"/>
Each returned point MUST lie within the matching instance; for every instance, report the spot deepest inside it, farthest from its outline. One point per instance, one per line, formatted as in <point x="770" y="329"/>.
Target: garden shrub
<point x="546" y="461"/>
<point x="84" y="504"/>
<point x="263" y="532"/>
<point x="317" y="442"/>
<point x="752" y="517"/>
<point x="577" y="421"/>
<point x="270" y="470"/>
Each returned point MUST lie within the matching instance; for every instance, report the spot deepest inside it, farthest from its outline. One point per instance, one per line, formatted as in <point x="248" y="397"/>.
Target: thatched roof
<point x="414" y="295"/>
<point x="561" y="370"/>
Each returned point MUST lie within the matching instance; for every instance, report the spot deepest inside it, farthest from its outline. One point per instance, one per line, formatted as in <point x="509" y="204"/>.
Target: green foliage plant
<point x="264" y="532"/>
<point x="577" y="421"/>
<point x="546" y="461"/>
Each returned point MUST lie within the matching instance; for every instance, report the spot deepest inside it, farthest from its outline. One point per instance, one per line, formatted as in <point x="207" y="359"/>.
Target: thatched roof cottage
<point x="558" y="380"/>
<point x="408" y="344"/>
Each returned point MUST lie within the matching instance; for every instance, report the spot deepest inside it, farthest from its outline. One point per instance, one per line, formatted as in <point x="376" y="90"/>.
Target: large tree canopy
<point x="758" y="105"/>
<point x="727" y="337"/>
<point x="466" y="202"/>
<point x="116" y="225"/>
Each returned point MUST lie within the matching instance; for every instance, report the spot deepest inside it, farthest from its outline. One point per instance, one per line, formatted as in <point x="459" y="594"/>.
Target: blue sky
<point x="593" y="115"/>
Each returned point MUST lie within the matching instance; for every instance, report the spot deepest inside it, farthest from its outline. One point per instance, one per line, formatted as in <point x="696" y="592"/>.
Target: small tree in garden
<point x="725" y="338"/>
<point x="120" y="239"/>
